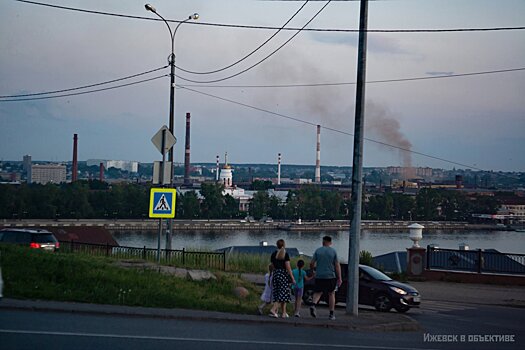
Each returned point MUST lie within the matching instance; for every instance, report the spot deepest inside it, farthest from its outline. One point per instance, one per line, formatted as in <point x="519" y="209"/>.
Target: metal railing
<point x="480" y="261"/>
<point x="176" y="257"/>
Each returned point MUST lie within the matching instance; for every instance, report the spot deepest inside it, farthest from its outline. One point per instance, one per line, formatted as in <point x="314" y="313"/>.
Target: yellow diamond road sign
<point x="162" y="203"/>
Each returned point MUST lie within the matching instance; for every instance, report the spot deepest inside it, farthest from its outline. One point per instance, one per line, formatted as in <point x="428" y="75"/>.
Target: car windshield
<point x="44" y="238"/>
<point x="375" y="274"/>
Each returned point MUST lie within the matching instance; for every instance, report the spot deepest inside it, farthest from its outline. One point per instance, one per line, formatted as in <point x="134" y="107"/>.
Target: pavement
<point x="367" y="320"/>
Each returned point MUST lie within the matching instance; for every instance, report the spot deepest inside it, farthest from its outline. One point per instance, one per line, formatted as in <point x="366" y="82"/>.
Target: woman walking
<point x="282" y="276"/>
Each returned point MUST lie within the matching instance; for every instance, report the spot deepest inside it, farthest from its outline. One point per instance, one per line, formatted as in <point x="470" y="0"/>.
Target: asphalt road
<point x="22" y="329"/>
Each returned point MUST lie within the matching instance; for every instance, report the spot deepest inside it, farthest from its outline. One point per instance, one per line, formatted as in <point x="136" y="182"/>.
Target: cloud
<point x="375" y="43"/>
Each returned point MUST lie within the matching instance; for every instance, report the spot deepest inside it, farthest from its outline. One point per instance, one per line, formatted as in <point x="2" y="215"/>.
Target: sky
<point x="473" y="121"/>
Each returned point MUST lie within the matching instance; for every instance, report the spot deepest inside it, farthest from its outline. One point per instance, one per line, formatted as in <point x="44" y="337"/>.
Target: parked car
<point x="375" y="289"/>
<point x="33" y="238"/>
<point x="1" y="285"/>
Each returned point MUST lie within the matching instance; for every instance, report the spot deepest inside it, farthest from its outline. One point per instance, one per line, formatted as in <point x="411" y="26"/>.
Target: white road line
<point x="443" y="307"/>
<point x="232" y="341"/>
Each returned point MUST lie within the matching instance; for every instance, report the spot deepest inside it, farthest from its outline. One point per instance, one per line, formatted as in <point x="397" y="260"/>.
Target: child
<point x="300" y="276"/>
<point x="266" y="295"/>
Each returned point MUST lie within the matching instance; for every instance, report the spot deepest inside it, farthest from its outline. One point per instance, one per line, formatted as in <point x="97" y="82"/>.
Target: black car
<point x="38" y="239"/>
<point x="375" y="289"/>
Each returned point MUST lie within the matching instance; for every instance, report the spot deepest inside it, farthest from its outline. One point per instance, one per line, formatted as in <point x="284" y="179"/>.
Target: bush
<point x="365" y="258"/>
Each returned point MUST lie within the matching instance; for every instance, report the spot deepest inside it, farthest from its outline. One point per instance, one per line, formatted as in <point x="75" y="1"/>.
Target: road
<point x="23" y="329"/>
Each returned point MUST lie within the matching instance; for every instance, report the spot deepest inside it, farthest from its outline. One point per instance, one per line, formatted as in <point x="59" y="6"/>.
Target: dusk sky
<point x="477" y="120"/>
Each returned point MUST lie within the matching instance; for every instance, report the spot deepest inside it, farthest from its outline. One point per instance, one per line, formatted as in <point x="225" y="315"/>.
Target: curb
<point x="407" y="324"/>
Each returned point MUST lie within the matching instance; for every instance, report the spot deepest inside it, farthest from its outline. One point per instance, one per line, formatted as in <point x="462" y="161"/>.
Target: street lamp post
<point x="171" y="61"/>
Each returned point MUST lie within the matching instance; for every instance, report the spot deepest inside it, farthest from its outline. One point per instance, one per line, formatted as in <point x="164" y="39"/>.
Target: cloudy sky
<point x="474" y="120"/>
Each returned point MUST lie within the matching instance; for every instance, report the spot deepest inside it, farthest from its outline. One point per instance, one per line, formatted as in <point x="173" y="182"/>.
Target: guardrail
<point x="480" y="261"/>
<point x="176" y="257"/>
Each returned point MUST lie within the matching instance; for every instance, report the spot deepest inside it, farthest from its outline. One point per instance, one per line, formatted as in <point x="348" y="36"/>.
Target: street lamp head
<point x="195" y="16"/>
<point x="150" y="7"/>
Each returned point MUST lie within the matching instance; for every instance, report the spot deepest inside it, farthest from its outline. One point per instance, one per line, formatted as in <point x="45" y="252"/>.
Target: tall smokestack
<point x="318" y="156"/>
<point x="75" y="159"/>
<point x="217" y="170"/>
<point x="187" y="152"/>
<point x="279" y="169"/>
<point x="101" y="173"/>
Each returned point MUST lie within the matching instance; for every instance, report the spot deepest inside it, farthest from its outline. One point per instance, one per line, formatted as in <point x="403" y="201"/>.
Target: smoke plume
<point x="379" y="122"/>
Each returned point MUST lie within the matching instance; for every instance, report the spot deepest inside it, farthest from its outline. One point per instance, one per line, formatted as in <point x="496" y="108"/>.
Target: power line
<point x="325" y="127"/>
<point x="261" y="61"/>
<point x="85" y="92"/>
<point x="85" y="86"/>
<point x="12" y="97"/>
<point x="368" y="82"/>
<point x="450" y="30"/>
<point x="253" y="51"/>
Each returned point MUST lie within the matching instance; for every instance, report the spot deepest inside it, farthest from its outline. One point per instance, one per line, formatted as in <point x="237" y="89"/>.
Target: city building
<point x="26" y="166"/>
<point x="127" y="165"/>
<point x="48" y="173"/>
<point x="513" y="208"/>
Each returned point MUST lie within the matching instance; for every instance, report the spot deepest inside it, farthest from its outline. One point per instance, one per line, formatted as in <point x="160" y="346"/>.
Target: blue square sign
<point x="162" y="203"/>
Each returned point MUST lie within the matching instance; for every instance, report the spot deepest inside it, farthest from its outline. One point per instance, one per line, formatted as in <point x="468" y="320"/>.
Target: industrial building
<point x="48" y="173"/>
<point x="131" y="166"/>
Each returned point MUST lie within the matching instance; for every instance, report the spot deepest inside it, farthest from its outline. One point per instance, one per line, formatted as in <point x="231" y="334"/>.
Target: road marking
<point x="233" y="341"/>
<point x="439" y="306"/>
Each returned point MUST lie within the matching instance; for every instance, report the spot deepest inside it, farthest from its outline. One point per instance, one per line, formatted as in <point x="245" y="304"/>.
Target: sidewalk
<point x="366" y="321"/>
<point x="485" y="294"/>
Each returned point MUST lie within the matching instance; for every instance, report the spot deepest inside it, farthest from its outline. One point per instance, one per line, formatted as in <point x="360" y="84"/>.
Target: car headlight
<point x="398" y="290"/>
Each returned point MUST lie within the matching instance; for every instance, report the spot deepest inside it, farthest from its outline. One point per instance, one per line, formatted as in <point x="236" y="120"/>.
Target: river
<point x="306" y="242"/>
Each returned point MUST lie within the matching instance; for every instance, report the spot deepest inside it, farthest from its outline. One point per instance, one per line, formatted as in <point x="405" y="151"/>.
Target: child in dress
<point x="298" y="288"/>
<point x="266" y="296"/>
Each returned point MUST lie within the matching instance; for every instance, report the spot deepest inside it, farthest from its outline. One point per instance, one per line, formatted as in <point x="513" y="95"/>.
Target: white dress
<point x="266" y="295"/>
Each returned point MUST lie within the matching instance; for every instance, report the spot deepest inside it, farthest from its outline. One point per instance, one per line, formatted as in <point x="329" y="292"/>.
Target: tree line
<point x="99" y="200"/>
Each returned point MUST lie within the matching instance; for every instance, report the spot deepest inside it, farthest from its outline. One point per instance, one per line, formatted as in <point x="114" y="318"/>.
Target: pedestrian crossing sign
<point x="162" y="203"/>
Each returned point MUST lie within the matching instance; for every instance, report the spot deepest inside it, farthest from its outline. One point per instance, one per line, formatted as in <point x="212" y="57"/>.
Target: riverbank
<point x="232" y="225"/>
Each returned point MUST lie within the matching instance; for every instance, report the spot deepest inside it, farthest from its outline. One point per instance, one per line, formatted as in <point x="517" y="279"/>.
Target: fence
<point x="480" y="261"/>
<point x="175" y="257"/>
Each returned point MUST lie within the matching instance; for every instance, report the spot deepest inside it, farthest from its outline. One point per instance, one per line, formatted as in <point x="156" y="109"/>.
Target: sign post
<point x="160" y="207"/>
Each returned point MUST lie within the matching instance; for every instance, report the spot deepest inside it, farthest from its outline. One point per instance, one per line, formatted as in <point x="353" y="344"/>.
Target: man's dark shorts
<point x="325" y="285"/>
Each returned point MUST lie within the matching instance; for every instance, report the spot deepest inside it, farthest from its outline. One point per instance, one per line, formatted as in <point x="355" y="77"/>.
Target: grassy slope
<point x="33" y="274"/>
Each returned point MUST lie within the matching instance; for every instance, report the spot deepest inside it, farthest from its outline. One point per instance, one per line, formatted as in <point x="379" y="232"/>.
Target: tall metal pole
<point x="162" y="167"/>
<point x="171" y="61"/>
<point x="357" y="168"/>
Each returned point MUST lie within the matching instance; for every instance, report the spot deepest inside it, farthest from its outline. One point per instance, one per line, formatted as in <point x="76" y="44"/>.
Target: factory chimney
<point x="217" y="170"/>
<point x="74" y="171"/>
<point x="318" y="156"/>
<point x="187" y="152"/>
<point x="279" y="169"/>
<point x="101" y="173"/>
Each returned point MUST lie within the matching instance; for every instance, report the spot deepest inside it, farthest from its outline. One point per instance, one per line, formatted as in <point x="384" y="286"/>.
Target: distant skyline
<point x="477" y="121"/>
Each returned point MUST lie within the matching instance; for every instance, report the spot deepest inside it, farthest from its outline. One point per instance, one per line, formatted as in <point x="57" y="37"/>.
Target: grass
<point x="34" y="274"/>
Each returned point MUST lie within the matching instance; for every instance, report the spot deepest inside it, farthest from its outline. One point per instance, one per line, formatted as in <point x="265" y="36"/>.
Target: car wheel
<point x="308" y="297"/>
<point x="402" y="309"/>
<point x="382" y="303"/>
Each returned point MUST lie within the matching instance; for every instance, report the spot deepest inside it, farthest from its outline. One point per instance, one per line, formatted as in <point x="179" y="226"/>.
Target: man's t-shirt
<point x="325" y="258"/>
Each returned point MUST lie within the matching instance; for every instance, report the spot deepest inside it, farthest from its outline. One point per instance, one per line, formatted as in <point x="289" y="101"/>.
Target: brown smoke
<point x="381" y="123"/>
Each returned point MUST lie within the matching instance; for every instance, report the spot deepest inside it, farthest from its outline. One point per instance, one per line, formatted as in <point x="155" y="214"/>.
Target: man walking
<point x="328" y="275"/>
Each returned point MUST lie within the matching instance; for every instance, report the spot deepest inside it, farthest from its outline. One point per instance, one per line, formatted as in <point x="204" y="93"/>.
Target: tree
<point x="260" y="205"/>
<point x="403" y="206"/>
<point x="259" y="185"/>
<point x="332" y="202"/>
<point x="230" y="207"/>
<point x="427" y="203"/>
<point x="188" y="205"/>
<point x="275" y="210"/>
<point x="212" y="205"/>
